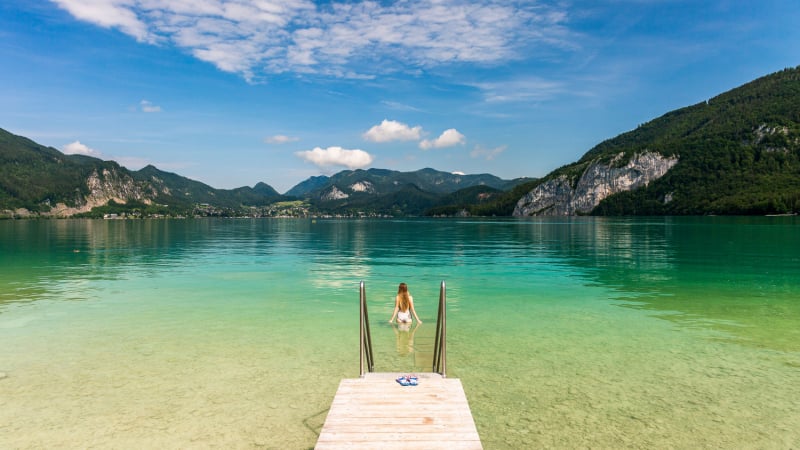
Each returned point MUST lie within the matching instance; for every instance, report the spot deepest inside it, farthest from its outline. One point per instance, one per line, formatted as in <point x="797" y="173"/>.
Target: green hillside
<point x="388" y="192"/>
<point x="482" y="201"/>
<point x="383" y="181"/>
<point x="739" y="153"/>
<point x="37" y="177"/>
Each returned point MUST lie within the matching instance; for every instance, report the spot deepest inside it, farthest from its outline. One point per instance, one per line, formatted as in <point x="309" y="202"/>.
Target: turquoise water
<point x="566" y="333"/>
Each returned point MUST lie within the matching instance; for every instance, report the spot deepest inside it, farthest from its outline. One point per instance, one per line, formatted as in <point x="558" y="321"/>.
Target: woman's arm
<point x="396" y="308"/>
<point x="411" y="306"/>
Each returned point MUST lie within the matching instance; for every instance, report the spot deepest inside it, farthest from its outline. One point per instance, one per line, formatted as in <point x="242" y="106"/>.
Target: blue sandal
<point x="403" y="380"/>
<point x="412" y="380"/>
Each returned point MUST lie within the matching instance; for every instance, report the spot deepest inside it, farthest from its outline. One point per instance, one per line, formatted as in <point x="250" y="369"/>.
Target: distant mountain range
<point x="737" y="153"/>
<point x="388" y="192"/>
<point x="37" y="180"/>
<point x="372" y="181"/>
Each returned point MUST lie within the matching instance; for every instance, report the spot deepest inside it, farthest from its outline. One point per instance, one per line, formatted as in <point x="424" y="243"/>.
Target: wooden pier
<point x="376" y="412"/>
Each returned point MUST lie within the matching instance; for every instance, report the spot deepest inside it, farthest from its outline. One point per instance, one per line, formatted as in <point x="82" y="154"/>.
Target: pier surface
<point x="377" y="412"/>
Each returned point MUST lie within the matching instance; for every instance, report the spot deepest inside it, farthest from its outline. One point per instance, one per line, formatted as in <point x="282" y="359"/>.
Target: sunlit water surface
<point x="568" y="333"/>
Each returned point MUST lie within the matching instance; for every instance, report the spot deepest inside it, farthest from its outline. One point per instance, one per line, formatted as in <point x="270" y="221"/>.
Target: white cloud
<point x="149" y="107"/>
<point x="338" y="39"/>
<point x="392" y="130"/>
<point x="76" y="148"/>
<point x="336" y="156"/>
<point x="109" y="14"/>
<point x="280" y="139"/>
<point x="487" y="153"/>
<point x="458" y="172"/>
<point x="522" y="90"/>
<point x="400" y="106"/>
<point x="449" y="138"/>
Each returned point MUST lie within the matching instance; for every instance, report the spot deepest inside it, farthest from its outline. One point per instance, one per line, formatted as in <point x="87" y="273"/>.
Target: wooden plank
<point x="377" y="412"/>
<point x="401" y="445"/>
<point x="406" y="420"/>
<point x="447" y="418"/>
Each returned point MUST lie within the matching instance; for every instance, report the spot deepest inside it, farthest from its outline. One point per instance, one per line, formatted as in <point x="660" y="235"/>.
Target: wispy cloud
<point x="522" y="89"/>
<point x="148" y="107"/>
<point x="487" y="153"/>
<point x="392" y="130"/>
<point x="337" y="39"/>
<point x="109" y="14"/>
<point x="281" y="139"/>
<point x="400" y="106"/>
<point x="448" y="138"/>
<point x="336" y="157"/>
<point x="76" y="148"/>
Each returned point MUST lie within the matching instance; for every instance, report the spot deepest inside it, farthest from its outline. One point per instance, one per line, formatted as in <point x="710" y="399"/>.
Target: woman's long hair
<point x="404" y="301"/>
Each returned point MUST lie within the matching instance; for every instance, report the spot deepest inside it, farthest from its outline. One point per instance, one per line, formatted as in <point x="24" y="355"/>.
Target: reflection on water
<point x="567" y="332"/>
<point x="404" y="333"/>
<point x="736" y="275"/>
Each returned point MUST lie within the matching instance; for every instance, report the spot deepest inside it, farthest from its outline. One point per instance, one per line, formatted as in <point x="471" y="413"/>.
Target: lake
<point x="566" y="333"/>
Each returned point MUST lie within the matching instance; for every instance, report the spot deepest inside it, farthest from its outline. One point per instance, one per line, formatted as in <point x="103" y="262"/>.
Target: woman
<point x="404" y="306"/>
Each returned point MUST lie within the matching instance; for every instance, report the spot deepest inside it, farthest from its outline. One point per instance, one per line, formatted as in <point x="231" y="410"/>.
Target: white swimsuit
<point x="404" y="316"/>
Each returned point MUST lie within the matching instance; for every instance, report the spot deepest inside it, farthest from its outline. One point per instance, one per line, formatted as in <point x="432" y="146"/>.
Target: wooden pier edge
<point x="377" y="412"/>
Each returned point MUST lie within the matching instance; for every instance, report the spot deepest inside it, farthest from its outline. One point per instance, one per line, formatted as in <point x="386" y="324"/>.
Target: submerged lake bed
<point x="567" y="332"/>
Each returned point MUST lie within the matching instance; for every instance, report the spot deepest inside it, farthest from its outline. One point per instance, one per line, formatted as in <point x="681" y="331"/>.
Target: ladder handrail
<point x="440" y="340"/>
<point x="365" y="358"/>
<point x="365" y="338"/>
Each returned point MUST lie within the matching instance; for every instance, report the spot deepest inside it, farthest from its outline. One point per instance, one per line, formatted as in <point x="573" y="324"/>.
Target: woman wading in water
<point x="404" y="306"/>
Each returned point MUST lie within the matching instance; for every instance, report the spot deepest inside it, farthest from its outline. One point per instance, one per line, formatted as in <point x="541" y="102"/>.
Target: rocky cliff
<point x="103" y="186"/>
<point x="559" y="196"/>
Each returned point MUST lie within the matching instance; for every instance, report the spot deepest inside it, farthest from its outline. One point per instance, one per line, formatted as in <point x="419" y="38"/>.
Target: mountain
<point x="482" y="201"/>
<point x="41" y="181"/>
<point x="261" y="194"/>
<point x="383" y="181"/>
<point x="308" y="186"/>
<point x="737" y="153"/>
<point x="38" y="180"/>
<point x="389" y="192"/>
<point x="265" y="190"/>
<point x="187" y="192"/>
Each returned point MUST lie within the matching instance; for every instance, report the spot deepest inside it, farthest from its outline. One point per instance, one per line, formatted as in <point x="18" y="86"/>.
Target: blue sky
<point x="231" y="93"/>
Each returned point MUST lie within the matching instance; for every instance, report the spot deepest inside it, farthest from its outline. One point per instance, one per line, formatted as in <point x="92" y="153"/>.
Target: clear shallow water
<point x="641" y="333"/>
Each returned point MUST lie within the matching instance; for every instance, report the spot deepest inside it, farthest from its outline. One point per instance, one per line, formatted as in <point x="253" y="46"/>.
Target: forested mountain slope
<point x="42" y="181"/>
<point x="737" y="153"/>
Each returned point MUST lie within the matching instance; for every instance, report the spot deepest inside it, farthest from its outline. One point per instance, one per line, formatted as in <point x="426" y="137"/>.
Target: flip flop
<point x="412" y="380"/>
<point x="403" y="381"/>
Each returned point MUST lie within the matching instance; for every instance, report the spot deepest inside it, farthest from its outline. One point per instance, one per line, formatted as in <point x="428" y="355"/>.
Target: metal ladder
<point x="366" y="359"/>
